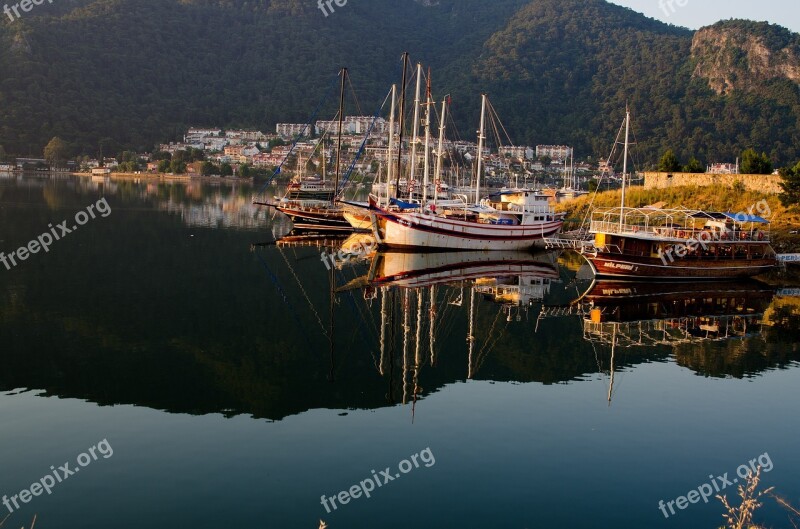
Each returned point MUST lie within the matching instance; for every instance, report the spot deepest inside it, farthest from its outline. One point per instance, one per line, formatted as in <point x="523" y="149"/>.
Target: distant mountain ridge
<point x="131" y="73"/>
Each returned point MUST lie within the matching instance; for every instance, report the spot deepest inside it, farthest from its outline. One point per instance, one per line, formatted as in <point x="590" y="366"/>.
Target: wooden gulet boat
<point x="318" y="215"/>
<point x="678" y="243"/>
<point x="512" y="220"/>
<point x="309" y="215"/>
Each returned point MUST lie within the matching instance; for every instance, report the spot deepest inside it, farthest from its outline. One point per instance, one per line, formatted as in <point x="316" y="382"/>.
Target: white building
<point x="520" y="152"/>
<point x="172" y="148"/>
<point x="290" y="130"/>
<point x="554" y="152"/>
<point x="355" y="125"/>
<point x="198" y="133"/>
<point x="246" y="135"/>
<point x="215" y="144"/>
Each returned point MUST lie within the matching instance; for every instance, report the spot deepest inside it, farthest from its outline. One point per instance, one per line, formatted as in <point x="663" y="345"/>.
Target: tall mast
<point x="481" y="139"/>
<point x="625" y="166"/>
<point x="572" y="169"/>
<point x="418" y="349"/>
<point x="402" y="122"/>
<point x="613" y="346"/>
<point x="384" y="312"/>
<point x="324" y="162"/>
<point x="427" y="174"/>
<point x="301" y="170"/>
<point x="391" y="144"/>
<point x="432" y="326"/>
<point x="406" y="332"/>
<point x="439" y="153"/>
<point x="339" y="140"/>
<point x="471" y="331"/>
<point x="415" y="136"/>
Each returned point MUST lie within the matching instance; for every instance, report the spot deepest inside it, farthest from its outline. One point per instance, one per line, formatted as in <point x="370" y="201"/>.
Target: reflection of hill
<point x="132" y="311"/>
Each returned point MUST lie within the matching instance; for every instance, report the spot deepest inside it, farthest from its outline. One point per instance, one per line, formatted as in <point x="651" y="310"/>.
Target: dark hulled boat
<point x="678" y="244"/>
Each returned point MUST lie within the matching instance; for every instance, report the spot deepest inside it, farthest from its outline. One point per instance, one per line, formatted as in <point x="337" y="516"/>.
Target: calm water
<point x="235" y="390"/>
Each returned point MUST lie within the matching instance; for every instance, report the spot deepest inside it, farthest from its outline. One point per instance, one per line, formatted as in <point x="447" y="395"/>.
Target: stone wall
<point x="754" y="182"/>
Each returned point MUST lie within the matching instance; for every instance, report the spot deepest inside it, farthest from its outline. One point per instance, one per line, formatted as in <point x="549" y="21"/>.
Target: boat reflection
<point x="645" y="314"/>
<point x="680" y="316"/>
<point x="425" y="296"/>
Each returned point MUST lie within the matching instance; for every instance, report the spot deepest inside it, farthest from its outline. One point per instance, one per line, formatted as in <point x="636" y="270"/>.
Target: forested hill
<point x="131" y="73"/>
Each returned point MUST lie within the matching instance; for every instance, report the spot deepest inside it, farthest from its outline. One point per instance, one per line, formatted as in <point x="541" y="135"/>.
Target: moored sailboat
<point x="321" y="215"/>
<point x="513" y="220"/>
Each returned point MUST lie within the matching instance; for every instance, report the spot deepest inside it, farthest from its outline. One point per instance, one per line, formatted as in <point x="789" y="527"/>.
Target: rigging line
<point x="446" y="323"/>
<point x="497" y="117"/>
<point x="312" y="120"/>
<point x="355" y="96"/>
<point x="363" y="320"/>
<point x="360" y="329"/>
<point x="599" y="183"/>
<point x="352" y="167"/>
<point x="284" y="297"/>
<point x="495" y="131"/>
<point x="489" y="334"/>
<point x="481" y="356"/>
<point x="303" y="290"/>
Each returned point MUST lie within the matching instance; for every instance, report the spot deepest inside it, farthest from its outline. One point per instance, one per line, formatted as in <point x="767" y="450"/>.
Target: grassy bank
<point x="712" y="198"/>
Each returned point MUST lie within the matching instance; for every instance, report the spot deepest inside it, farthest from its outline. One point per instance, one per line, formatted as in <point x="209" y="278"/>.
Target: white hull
<point x="427" y="231"/>
<point x="359" y="221"/>
<point x="414" y="270"/>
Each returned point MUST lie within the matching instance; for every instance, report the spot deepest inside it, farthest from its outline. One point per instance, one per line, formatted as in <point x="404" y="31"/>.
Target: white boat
<point x="570" y="189"/>
<point x="416" y="270"/>
<point x="511" y="220"/>
<point x="519" y="221"/>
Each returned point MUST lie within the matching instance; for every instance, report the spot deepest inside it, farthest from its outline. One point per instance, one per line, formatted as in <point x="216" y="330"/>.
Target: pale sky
<point x="694" y="14"/>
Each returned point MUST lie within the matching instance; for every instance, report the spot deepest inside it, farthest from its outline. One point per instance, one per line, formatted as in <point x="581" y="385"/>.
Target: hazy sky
<point x="697" y="13"/>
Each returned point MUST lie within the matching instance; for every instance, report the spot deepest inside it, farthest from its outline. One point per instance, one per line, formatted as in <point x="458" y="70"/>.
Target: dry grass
<point x="741" y="516"/>
<point x="794" y="515"/>
<point x="33" y="523"/>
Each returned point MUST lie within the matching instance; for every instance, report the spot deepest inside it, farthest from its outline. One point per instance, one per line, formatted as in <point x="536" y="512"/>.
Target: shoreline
<point x="166" y="177"/>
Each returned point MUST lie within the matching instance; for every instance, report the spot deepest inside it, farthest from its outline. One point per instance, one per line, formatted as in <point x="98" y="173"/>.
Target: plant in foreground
<point x="741" y="516"/>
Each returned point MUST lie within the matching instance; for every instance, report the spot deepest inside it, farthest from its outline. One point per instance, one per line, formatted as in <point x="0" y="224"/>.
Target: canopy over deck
<point x="736" y="217"/>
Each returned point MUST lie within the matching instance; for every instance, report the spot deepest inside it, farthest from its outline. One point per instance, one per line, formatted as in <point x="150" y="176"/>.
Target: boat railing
<point x="565" y="243"/>
<point x="462" y="199"/>
<point x="668" y="233"/>
<point x="674" y="330"/>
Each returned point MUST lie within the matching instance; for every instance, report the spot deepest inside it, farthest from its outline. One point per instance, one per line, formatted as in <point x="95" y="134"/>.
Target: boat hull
<point x="357" y="215"/>
<point x="306" y="194"/>
<point x="415" y="270"/>
<point x="424" y="231"/>
<point x="623" y="266"/>
<point x="316" y="218"/>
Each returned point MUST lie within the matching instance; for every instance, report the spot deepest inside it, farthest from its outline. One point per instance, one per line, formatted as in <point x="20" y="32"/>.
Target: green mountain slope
<point x="130" y="73"/>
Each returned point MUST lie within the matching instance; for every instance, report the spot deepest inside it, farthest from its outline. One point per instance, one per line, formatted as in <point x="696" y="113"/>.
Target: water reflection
<point x="213" y="324"/>
<point x="652" y="314"/>
<point x="198" y="203"/>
